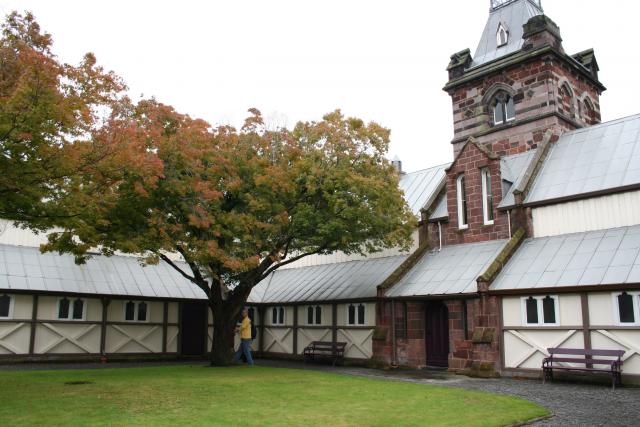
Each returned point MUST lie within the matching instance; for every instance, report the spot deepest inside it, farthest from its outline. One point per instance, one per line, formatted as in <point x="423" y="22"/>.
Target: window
<point x="136" y="311"/>
<point x="355" y="314"/>
<point x="314" y="315"/>
<point x="627" y="308"/>
<point x="277" y="316"/>
<point x="462" y="203"/>
<point x="502" y="37"/>
<point x="504" y="109"/>
<point x="6" y="307"/>
<point x="487" y="196"/>
<point x="540" y="311"/>
<point x="68" y="310"/>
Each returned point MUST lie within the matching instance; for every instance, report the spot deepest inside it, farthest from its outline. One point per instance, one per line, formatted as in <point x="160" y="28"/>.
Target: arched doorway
<point x="437" y="334"/>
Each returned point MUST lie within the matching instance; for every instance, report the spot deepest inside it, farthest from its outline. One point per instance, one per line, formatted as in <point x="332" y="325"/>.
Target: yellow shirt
<point x="245" y="329"/>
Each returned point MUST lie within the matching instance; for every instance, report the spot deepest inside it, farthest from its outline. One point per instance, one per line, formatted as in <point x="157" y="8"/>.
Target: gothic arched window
<point x="502" y="37"/>
<point x="504" y="109"/>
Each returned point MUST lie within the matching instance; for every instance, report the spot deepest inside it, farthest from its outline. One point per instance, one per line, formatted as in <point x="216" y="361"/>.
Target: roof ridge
<point x="601" y="124"/>
<point x="428" y="168"/>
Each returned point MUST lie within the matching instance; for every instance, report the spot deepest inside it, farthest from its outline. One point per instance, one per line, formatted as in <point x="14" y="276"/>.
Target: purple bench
<point x="592" y="360"/>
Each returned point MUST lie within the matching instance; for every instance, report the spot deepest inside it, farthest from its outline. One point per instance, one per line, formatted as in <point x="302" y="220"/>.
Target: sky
<point x="382" y="61"/>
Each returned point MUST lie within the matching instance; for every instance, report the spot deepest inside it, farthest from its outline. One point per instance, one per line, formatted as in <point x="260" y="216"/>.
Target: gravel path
<point x="572" y="404"/>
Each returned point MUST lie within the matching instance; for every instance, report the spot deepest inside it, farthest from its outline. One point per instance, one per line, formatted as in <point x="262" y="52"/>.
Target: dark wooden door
<point x="437" y="334"/>
<point x="193" y="328"/>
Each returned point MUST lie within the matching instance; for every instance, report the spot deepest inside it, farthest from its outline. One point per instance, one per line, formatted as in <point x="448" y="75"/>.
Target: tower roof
<point x="509" y="15"/>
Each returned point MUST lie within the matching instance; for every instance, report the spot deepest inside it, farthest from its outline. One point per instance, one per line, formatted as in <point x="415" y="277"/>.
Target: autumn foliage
<point x="144" y="179"/>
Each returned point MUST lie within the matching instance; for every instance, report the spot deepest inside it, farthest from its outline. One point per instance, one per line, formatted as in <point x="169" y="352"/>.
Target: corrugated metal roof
<point x="340" y="281"/>
<point x="597" y="158"/>
<point x="513" y="16"/>
<point x="453" y="270"/>
<point x="440" y="212"/>
<point x="25" y="268"/>
<point x="604" y="257"/>
<point x="512" y="169"/>
<point x="421" y="186"/>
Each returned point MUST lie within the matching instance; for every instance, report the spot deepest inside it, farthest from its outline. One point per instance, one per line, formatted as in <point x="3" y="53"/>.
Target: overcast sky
<point x="298" y="59"/>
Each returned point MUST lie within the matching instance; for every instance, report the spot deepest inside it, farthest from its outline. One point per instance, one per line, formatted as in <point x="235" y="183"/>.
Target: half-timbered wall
<point x="34" y="329"/>
<point x="586" y="320"/>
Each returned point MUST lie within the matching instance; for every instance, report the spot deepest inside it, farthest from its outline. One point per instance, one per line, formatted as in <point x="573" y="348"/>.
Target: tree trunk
<point x="225" y="317"/>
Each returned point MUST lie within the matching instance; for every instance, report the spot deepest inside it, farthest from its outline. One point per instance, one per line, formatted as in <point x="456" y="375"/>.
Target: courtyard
<point x="264" y="395"/>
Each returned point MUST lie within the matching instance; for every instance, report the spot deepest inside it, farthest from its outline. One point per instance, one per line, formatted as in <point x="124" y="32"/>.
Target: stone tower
<point x="520" y="82"/>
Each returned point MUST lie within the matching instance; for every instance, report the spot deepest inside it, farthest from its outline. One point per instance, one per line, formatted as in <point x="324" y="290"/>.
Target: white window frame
<point x="70" y="313"/>
<point x="355" y="318"/>
<point x="136" y="311"/>
<point x="315" y="315"/>
<point x="540" y="299"/>
<point x="502" y="28"/>
<point x="485" y="192"/>
<point x="284" y="316"/>
<point x="636" y="308"/>
<point x="12" y="303"/>
<point x="461" y="224"/>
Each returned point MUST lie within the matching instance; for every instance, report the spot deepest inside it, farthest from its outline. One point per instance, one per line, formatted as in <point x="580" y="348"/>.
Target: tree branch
<point x="185" y="275"/>
<point x="289" y="261"/>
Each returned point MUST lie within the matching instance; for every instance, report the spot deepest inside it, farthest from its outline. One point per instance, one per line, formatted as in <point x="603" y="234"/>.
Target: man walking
<point x="245" y="338"/>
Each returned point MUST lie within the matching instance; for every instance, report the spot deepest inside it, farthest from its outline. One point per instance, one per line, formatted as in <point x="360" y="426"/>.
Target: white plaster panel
<point x="172" y="315"/>
<point x="511" y="311"/>
<point x="306" y="336"/>
<point x="601" y="309"/>
<point x="628" y="340"/>
<point x="359" y="342"/>
<point x="134" y="338"/>
<point x="172" y="339"/>
<point x="22" y="306"/>
<point x="570" y="312"/>
<point x="527" y="348"/>
<point x="71" y="338"/>
<point x="14" y="337"/>
<point x="597" y="213"/>
<point x="278" y="340"/>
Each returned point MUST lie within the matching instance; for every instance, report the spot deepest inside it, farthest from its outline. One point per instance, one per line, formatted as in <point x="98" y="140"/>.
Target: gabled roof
<point x="512" y="170"/>
<point x="327" y="282"/>
<point x="604" y="257"/>
<point x="596" y="159"/>
<point x="512" y="15"/>
<point x="452" y="270"/>
<point x="25" y="268"/>
<point x="421" y="187"/>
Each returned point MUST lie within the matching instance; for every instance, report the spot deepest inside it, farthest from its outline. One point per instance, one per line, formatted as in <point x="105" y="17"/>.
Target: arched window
<point x="274" y="316"/>
<point x="487" y="196"/>
<point x="281" y="315"/>
<point x="502" y="37"/>
<point x="130" y="311"/>
<point x="318" y="315"/>
<point x="63" y="308"/>
<point x="5" y="306"/>
<point x="626" y="308"/>
<point x="590" y="112"/>
<point x="78" y="309"/>
<point x="142" y="311"/>
<point x="351" y="315"/>
<point x="462" y="203"/>
<point x="566" y="99"/>
<point x="309" y="315"/>
<point x="361" y="314"/>
<point x="504" y="109"/>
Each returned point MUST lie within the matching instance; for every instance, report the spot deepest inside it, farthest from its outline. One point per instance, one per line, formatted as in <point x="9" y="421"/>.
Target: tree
<point x="48" y="113"/>
<point x="237" y="205"/>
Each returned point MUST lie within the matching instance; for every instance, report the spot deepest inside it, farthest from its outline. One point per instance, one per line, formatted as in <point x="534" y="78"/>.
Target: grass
<point x="259" y="396"/>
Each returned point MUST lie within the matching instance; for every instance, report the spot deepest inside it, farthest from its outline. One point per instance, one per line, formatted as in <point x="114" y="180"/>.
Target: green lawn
<point x="197" y="395"/>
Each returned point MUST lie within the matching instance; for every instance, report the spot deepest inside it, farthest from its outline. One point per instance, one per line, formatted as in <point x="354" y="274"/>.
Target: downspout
<point x="394" y="359"/>
<point x="440" y="235"/>
<point x="509" y="222"/>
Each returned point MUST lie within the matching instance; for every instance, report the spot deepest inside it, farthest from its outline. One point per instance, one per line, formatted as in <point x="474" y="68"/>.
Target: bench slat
<point x="585" y="361"/>
<point x="583" y="352"/>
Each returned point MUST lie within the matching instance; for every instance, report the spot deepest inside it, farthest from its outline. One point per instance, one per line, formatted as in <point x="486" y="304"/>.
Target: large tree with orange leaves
<point x="235" y="204"/>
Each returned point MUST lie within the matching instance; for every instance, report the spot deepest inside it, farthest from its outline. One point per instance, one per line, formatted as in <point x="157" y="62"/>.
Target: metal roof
<point x="440" y="212"/>
<point x="453" y="270"/>
<point x="512" y="16"/>
<point x="604" y="257"/>
<point x="512" y="169"/>
<point x="25" y="268"/>
<point x="420" y="187"/>
<point x="328" y="282"/>
<point x="596" y="158"/>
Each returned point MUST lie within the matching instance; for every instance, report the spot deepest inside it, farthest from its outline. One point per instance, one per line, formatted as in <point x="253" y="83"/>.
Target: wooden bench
<point x="592" y="360"/>
<point x="325" y="350"/>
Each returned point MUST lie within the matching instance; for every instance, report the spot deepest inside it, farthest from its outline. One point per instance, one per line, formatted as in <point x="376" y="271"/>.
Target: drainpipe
<point x="440" y="235"/>
<point x="509" y="222"/>
<point x="394" y="358"/>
